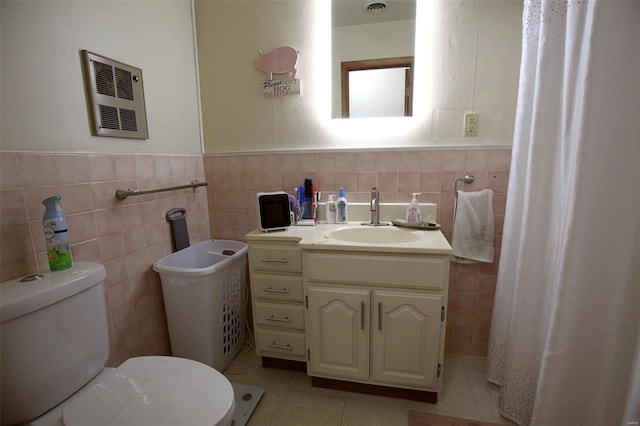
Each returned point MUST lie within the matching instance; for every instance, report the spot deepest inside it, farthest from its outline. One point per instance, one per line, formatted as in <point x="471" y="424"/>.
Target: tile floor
<point x="289" y="398"/>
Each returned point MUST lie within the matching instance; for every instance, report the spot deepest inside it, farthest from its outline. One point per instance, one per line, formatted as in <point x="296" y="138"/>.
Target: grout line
<point x="472" y="389"/>
<point x="474" y="395"/>
<point x="344" y="406"/>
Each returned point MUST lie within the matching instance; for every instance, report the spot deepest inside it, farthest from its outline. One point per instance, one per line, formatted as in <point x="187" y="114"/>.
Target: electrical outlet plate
<point x="471" y="123"/>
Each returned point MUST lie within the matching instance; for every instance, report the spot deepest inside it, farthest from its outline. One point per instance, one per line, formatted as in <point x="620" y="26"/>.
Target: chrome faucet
<point x="374" y="206"/>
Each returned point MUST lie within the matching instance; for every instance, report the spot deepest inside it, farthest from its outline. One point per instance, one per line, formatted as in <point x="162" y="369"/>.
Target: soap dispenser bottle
<point x="414" y="215"/>
<point x="342" y="210"/>
<point x="56" y="235"/>
<point x="332" y="209"/>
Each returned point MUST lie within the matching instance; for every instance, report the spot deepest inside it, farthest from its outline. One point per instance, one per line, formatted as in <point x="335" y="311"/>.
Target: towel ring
<point x="466" y="179"/>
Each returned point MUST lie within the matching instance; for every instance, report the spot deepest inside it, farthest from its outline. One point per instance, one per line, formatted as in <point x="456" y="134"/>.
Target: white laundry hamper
<point x="204" y="289"/>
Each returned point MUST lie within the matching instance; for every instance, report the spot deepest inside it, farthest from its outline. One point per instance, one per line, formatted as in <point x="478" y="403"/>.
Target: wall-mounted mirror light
<point x="373" y="44"/>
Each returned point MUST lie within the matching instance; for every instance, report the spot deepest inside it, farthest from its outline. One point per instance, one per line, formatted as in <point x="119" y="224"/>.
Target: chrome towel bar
<point x="121" y="194"/>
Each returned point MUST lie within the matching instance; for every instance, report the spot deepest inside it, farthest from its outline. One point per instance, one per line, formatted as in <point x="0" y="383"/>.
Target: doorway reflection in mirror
<point x="377" y="88"/>
<point x="360" y="36"/>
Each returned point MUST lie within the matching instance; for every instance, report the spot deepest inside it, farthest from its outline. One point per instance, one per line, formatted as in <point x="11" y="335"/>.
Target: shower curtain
<point x="565" y="338"/>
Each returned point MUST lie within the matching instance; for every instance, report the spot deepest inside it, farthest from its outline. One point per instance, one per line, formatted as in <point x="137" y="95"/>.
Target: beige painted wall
<point x="43" y="98"/>
<point x="472" y="64"/>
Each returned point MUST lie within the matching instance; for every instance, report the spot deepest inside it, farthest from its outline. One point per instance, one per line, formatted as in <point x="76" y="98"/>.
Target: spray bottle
<point x="414" y="215"/>
<point x="56" y="235"/>
<point x="332" y="209"/>
<point x="342" y="208"/>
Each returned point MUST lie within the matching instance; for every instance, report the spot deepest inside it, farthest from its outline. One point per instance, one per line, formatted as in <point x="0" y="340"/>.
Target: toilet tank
<point x="53" y="338"/>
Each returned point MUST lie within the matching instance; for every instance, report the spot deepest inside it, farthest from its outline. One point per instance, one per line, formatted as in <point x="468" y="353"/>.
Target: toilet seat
<point x="154" y="390"/>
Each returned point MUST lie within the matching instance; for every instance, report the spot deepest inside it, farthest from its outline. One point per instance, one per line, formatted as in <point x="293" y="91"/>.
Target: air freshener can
<point x="56" y="235"/>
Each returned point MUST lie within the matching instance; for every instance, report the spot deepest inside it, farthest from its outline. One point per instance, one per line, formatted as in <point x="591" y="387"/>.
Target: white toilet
<point x="54" y="345"/>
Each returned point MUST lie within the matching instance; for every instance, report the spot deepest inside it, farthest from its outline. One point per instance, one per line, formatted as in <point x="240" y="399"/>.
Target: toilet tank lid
<point x="20" y="298"/>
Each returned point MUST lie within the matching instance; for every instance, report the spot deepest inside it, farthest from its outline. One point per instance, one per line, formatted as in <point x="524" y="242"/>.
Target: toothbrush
<point x="300" y="196"/>
<point x="308" y="194"/>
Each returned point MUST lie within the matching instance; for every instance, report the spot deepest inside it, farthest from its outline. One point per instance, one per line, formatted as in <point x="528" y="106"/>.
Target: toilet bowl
<point x="54" y="345"/>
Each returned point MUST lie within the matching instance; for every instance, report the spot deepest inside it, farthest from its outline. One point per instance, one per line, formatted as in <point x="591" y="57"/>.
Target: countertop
<point x="318" y="237"/>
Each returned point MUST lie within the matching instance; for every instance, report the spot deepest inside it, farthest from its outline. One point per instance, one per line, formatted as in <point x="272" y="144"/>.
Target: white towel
<point x="473" y="226"/>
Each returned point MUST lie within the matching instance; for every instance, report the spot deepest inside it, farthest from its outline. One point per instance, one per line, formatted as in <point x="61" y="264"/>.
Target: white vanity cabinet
<point x="376" y="318"/>
<point x="275" y="270"/>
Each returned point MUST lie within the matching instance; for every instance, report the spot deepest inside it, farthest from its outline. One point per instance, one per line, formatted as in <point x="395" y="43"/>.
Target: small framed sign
<point x="278" y="88"/>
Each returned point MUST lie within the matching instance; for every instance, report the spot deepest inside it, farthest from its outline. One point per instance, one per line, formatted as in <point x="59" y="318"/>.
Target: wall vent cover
<point x="116" y="97"/>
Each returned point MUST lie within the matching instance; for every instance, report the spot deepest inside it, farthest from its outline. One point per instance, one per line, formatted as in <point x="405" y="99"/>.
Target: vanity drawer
<point x="275" y="258"/>
<point x="281" y="342"/>
<point x="278" y="287"/>
<point x="381" y="269"/>
<point x="279" y="315"/>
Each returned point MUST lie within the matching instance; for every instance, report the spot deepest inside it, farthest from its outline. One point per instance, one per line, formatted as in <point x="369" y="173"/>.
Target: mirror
<point x="373" y="43"/>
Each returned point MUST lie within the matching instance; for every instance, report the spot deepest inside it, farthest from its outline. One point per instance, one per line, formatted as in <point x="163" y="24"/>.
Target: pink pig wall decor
<point x="279" y="61"/>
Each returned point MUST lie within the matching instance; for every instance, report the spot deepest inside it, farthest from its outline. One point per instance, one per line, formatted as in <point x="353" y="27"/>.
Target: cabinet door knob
<point x="379" y="316"/>
<point x="362" y="315"/>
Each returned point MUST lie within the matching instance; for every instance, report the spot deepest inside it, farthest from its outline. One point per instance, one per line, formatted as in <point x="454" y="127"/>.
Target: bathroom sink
<point x="374" y="235"/>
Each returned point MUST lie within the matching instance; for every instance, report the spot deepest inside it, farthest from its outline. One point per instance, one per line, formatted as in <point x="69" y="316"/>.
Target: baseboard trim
<point x="284" y="364"/>
<point x="414" y="395"/>
<point x="466" y="348"/>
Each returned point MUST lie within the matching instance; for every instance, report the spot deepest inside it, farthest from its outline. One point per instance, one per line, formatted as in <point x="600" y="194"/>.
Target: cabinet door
<point x="406" y="338"/>
<point x="337" y="330"/>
